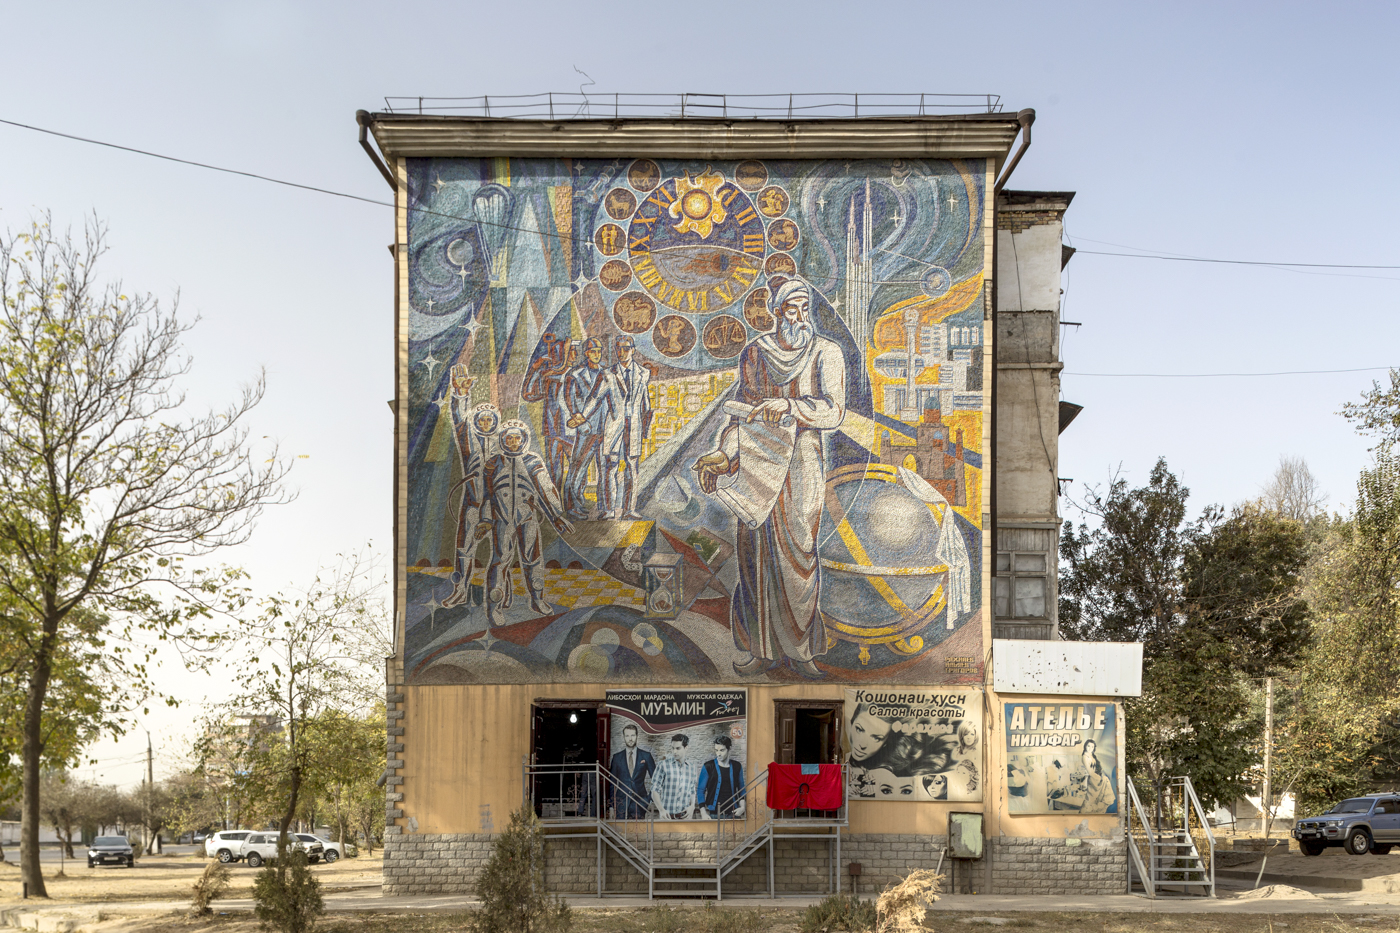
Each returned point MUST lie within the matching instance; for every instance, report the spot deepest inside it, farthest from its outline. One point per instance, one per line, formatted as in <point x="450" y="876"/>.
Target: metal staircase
<point x="1171" y="847"/>
<point x="583" y="801"/>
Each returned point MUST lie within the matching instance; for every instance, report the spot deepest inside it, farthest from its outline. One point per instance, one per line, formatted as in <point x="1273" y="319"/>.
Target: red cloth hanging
<point x="810" y="787"/>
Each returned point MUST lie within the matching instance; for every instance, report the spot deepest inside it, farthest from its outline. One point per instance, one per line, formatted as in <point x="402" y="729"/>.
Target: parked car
<point x="259" y="847"/>
<point x="225" y="846"/>
<point x="115" y="850"/>
<point x="1358" y="824"/>
<point x="334" y="850"/>
<point x="199" y="837"/>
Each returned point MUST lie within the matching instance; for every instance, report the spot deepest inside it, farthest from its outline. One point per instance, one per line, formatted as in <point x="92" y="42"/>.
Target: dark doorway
<point x="807" y="732"/>
<point x="564" y="740"/>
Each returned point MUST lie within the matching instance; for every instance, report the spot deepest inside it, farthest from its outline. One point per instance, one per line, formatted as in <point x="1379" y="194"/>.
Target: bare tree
<point x="1294" y="492"/>
<point x="308" y="682"/>
<point x="106" y="486"/>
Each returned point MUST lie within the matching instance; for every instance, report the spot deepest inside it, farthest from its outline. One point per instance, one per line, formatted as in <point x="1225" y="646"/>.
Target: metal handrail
<point x="1195" y="804"/>
<point x="1149" y="881"/>
<point x="554" y="105"/>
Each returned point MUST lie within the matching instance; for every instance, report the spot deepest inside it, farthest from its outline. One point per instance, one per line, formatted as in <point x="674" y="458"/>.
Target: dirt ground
<point x="1333" y="863"/>
<point x="777" y="920"/>
<point x="158" y="877"/>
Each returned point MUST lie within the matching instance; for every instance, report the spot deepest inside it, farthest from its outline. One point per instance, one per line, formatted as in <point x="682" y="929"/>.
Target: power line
<point x="379" y="203"/>
<point x="1233" y="262"/>
<point x="1296" y="372"/>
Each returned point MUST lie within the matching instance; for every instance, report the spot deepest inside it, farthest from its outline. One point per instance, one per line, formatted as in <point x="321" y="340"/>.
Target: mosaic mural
<point x="694" y="421"/>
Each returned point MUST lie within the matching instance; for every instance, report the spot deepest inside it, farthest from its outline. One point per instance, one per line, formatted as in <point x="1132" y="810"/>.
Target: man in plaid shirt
<point x="673" y="782"/>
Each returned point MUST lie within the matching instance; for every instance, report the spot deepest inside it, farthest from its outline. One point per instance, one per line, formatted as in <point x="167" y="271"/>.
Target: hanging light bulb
<point x="573" y="717"/>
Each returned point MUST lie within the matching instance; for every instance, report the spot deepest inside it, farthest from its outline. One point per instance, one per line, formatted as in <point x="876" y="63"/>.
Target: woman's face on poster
<point x="890" y="787"/>
<point x="868" y="733"/>
<point x="1088" y="753"/>
<point x="936" y="785"/>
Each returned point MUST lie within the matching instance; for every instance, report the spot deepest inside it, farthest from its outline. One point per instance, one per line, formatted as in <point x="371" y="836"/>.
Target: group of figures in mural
<point x="725" y="419"/>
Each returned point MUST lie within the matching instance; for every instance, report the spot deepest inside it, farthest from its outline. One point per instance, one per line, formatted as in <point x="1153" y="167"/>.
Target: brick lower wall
<point x="448" y="864"/>
<point x="1058" y="866"/>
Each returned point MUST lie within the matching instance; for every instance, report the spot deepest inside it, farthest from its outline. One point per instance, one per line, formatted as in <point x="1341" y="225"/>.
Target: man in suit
<point x="633" y="380"/>
<point x="630" y="769"/>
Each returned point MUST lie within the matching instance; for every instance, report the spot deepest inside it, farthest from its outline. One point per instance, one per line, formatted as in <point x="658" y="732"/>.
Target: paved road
<point x="51" y="853"/>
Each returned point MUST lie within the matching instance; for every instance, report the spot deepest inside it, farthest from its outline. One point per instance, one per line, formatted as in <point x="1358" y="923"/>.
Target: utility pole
<point x="1267" y="799"/>
<point x="152" y="843"/>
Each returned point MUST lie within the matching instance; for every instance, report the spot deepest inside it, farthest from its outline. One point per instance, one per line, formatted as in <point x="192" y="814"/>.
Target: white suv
<point x="225" y="846"/>
<point x="259" y="847"/>
<point x="333" y="850"/>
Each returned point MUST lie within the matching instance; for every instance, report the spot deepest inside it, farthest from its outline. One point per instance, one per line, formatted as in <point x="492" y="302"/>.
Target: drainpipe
<point x="1025" y="118"/>
<point x="362" y="118"/>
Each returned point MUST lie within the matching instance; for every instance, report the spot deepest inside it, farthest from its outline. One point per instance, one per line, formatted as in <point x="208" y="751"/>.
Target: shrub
<point x="210" y="886"/>
<point x="511" y="886"/>
<point x="840" y="912"/>
<point x="903" y="905"/>
<point x="287" y="899"/>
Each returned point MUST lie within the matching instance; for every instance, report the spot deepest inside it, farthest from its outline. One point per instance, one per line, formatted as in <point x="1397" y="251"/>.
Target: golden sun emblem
<point x="697" y="205"/>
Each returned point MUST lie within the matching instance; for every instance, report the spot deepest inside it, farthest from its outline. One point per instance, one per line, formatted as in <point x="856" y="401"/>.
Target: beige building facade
<point x="725" y="456"/>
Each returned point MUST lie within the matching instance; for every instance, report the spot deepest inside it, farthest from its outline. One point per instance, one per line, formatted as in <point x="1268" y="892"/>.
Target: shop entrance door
<point x="565" y="737"/>
<point x="807" y="732"/>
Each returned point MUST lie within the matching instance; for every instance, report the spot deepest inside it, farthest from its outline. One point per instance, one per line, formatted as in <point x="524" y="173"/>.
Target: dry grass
<point x="169" y="878"/>
<point x="902" y="905"/>
<point x="787" y="920"/>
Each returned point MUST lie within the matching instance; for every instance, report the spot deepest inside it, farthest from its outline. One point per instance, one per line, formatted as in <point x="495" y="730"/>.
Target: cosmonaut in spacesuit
<point x="475" y="429"/>
<point x="517" y="488"/>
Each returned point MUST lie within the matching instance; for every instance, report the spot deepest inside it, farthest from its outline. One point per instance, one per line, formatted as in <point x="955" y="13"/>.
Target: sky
<point x="1238" y="131"/>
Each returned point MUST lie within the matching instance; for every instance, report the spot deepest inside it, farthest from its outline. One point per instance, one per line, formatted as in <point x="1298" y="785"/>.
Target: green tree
<point x="1214" y="602"/>
<point x="354" y="748"/>
<point x="1378" y="412"/>
<point x="1342" y="725"/>
<point x="105" y="488"/>
<point x="514" y="898"/>
<point x="305" y="677"/>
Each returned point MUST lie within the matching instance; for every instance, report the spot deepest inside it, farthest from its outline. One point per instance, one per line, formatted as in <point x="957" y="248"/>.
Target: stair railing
<point x="1197" y="830"/>
<point x="588" y="797"/>
<point x="1140" y="830"/>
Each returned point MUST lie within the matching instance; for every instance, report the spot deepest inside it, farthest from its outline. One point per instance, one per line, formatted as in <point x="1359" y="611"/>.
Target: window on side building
<point x="1019" y="589"/>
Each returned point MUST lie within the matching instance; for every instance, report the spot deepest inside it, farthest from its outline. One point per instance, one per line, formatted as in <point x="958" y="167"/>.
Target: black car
<point x="111" y="850"/>
<point x="1359" y="824"/>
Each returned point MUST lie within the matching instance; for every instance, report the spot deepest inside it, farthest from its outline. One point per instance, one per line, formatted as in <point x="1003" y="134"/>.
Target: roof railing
<point x="555" y="105"/>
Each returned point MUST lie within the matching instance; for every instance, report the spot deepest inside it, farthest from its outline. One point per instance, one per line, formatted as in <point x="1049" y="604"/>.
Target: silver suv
<point x="226" y="846"/>
<point x="1358" y="824"/>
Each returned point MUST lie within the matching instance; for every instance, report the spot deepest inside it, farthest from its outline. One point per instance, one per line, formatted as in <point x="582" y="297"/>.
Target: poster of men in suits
<point x="1061" y="757"/>
<point x="680" y="754"/>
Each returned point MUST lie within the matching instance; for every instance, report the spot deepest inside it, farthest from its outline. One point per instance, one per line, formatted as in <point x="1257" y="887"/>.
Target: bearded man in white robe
<point x="792" y="372"/>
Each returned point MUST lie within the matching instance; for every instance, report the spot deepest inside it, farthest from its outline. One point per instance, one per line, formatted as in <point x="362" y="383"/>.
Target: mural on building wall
<point x="694" y="421"/>
<point x="921" y="746"/>
<point x="1061" y="757"/>
<point x="681" y="754"/>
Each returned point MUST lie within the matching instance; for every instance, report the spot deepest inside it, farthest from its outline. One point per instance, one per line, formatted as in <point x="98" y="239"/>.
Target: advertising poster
<point x="682" y="754"/>
<point x="915" y="745"/>
<point x="1061" y="757"/>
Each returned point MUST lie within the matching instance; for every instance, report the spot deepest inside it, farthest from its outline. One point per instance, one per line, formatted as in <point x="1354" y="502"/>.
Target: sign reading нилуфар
<point x="1061" y="757"/>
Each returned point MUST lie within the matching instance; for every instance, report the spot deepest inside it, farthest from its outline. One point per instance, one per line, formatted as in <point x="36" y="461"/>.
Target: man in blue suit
<point x="630" y="769"/>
